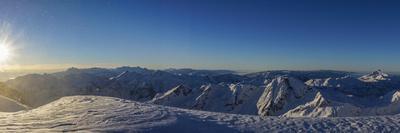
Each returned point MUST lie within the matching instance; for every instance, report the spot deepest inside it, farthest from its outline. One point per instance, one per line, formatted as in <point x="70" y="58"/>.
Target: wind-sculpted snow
<point x="107" y="114"/>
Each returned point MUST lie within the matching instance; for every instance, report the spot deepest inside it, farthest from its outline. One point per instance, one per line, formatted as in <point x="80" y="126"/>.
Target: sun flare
<point x="4" y="53"/>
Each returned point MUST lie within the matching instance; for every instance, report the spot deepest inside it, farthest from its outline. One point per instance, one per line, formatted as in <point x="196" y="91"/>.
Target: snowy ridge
<point x="118" y="76"/>
<point x="107" y="114"/>
<point x="375" y="84"/>
<point x="235" y="98"/>
<point x="395" y="97"/>
<point x="177" y="97"/>
<point x="282" y="95"/>
<point x="134" y="83"/>
<point x="375" y="76"/>
<point x="321" y="107"/>
<point x="271" y="93"/>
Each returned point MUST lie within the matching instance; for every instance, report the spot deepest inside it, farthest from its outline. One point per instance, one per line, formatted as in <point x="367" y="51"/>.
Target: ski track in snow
<point x="107" y="114"/>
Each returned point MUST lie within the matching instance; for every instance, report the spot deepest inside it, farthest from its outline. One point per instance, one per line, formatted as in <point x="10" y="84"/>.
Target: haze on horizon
<point x="47" y="35"/>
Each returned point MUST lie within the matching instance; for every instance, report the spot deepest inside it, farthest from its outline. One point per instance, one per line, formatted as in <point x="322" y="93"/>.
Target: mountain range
<point x="284" y="93"/>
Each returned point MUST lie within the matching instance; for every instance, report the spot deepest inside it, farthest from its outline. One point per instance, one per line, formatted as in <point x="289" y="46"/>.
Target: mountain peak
<point x="175" y="97"/>
<point x="279" y="95"/>
<point x="375" y="76"/>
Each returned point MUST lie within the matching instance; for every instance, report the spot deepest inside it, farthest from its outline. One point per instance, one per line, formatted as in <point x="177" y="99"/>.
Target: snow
<point x="118" y="76"/>
<point x="282" y="95"/>
<point x="375" y="76"/>
<point x="395" y="97"/>
<point x="9" y="105"/>
<point x="289" y="97"/>
<point x="375" y="84"/>
<point x="122" y="82"/>
<point x="215" y="98"/>
<point x="179" y="96"/>
<point x="107" y="114"/>
<point x="275" y="101"/>
<point x="272" y="93"/>
<point x="321" y="107"/>
<point x="233" y="98"/>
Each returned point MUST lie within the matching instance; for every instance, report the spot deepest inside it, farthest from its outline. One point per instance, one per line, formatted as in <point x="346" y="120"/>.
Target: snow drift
<point x="107" y="114"/>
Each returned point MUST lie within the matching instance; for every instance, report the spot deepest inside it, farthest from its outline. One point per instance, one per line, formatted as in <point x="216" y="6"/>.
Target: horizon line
<point x="50" y="68"/>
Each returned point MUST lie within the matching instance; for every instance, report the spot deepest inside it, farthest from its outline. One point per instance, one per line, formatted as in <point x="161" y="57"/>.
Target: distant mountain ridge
<point x="122" y="82"/>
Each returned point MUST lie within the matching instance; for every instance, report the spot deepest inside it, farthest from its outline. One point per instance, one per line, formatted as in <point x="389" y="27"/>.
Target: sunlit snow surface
<point x="9" y="105"/>
<point x="107" y="114"/>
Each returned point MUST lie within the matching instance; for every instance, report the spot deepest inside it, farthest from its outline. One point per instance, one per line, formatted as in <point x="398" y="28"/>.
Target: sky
<point x="352" y="35"/>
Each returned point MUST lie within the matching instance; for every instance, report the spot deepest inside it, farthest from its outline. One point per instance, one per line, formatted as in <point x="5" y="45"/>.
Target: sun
<point x="4" y="53"/>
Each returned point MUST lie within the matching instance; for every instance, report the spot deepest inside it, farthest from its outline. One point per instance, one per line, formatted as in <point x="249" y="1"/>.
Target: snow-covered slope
<point x="260" y="77"/>
<point x="395" y="97"/>
<point x="107" y="114"/>
<point x="282" y="95"/>
<point x="233" y="98"/>
<point x="375" y="76"/>
<point x="375" y="84"/>
<point x="321" y="107"/>
<point x="180" y="96"/>
<point x="9" y="105"/>
<point x="132" y="83"/>
<point x="271" y="93"/>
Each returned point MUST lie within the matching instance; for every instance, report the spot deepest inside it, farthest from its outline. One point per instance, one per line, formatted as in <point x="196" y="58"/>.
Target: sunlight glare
<point x="4" y="53"/>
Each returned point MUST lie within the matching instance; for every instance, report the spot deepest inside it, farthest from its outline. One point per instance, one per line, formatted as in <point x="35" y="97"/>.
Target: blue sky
<point x="357" y="35"/>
